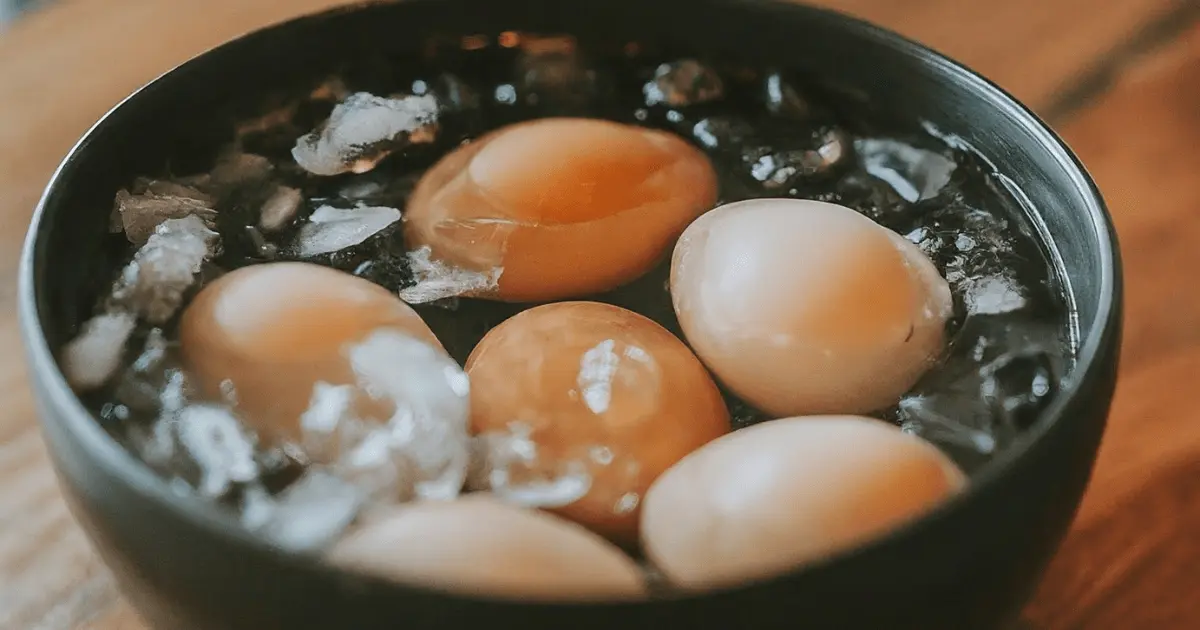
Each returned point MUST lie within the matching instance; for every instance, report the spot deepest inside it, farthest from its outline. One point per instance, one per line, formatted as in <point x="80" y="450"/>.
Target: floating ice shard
<point x="331" y="229"/>
<point x="94" y="356"/>
<point x="682" y="83"/>
<point x="308" y="515"/>
<point x="915" y="174"/>
<point x="363" y="130"/>
<point x="436" y="280"/>
<point x="214" y="439"/>
<point x="153" y="285"/>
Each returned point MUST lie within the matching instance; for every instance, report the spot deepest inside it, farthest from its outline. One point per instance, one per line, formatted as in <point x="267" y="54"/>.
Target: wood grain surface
<point x="1120" y="80"/>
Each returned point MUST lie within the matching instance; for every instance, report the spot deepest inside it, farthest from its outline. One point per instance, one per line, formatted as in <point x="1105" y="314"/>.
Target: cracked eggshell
<point x="595" y="389"/>
<point x="564" y="207"/>
<point x="803" y="307"/>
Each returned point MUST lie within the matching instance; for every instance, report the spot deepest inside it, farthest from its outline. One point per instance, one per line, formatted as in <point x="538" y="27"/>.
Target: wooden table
<point x="1120" y="80"/>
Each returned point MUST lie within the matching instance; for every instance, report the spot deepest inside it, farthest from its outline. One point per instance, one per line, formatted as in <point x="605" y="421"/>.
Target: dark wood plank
<point x="1133" y="560"/>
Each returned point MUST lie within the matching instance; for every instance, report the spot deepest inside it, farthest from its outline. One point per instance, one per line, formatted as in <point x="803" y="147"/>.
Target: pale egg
<point x="591" y="397"/>
<point x="803" y="307"/>
<point x="562" y="207"/>
<point x="266" y="335"/>
<point x="778" y="495"/>
<point x="479" y="546"/>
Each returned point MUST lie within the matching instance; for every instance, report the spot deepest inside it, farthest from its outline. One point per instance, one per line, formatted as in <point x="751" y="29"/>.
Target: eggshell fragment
<point x="563" y="207"/>
<point x="776" y="496"/>
<point x="479" y="546"/>
<point x="803" y="307"/>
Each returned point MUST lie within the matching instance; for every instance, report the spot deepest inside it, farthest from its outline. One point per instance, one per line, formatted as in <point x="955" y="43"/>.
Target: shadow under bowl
<point x="971" y="564"/>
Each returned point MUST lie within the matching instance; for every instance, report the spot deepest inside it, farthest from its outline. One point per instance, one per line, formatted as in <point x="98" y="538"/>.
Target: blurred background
<point x="1118" y="79"/>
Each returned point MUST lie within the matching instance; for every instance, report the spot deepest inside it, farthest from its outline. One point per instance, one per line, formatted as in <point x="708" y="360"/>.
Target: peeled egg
<point x="803" y="307"/>
<point x="273" y="332"/>
<point x="775" y="496"/>
<point x="591" y="398"/>
<point x="484" y="547"/>
<point x="562" y="206"/>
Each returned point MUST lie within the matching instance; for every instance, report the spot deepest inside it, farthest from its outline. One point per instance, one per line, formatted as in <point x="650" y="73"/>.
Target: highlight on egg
<point x="803" y="307"/>
<point x="779" y="495"/>
<point x="480" y="546"/>
<point x="560" y="219"/>
<point x="579" y="406"/>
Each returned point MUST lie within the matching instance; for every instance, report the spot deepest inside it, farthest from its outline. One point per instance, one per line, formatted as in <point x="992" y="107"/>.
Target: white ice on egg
<point x="427" y="433"/>
<point x="435" y="280"/>
<point x="597" y="367"/>
<point x="332" y="229"/>
<point x="351" y="139"/>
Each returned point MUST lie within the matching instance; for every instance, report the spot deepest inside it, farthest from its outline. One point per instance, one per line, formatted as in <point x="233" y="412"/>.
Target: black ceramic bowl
<point x="970" y="565"/>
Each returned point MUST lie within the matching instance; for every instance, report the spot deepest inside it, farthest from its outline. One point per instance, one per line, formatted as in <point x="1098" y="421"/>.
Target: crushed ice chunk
<point x="142" y="212"/>
<point x="428" y="429"/>
<point x="506" y="464"/>
<point x="915" y="174"/>
<point x="322" y="423"/>
<point x="94" y="355"/>
<point x="597" y="367"/>
<point x="682" y="83"/>
<point x="154" y="283"/>
<point x="308" y="515"/>
<point x="331" y="229"/>
<point x="992" y="295"/>
<point x="213" y="438"/>
<point x="279" y="209"/>
<point x="436" y="280"/>
<point x="363" y="130"/>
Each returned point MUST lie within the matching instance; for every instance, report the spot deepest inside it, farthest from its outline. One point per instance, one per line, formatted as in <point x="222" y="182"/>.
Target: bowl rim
<point x="1095" y="335"/>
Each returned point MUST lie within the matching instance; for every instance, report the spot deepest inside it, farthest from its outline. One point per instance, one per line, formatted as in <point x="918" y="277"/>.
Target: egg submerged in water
<point x="778" y="495"/>
<point x="480" y="546"/>
<point x="560" y="207"/>
<point x="592" y="398"/>
<point x="804" y="307"/>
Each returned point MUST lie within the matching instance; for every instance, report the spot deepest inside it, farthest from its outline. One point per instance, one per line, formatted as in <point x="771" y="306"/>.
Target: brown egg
<point x="273" y="331"/>
<point x="564" y="206"/>
<point x="803" y="307"/>
<point x="775" y="496"/>
<point x="480" y="546"/>
<point x="592" y="391"/>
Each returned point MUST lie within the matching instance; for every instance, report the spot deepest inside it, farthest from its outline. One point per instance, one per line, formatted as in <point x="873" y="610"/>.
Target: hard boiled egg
<point x="592" y="393"/>
<point x="775" y="496"/>
<point x="804" y="307"/>
<point x="270" y="333"/>
<point x="563" y="207"/>
<point x="479" y="546"/>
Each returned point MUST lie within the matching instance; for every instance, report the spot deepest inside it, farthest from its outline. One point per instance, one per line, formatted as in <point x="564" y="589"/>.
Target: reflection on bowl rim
<point x="151" y="486"/>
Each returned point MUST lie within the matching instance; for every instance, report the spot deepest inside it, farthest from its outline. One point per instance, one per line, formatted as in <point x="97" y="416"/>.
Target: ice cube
<point x="308" y="515"/>
<point x="782" y="169"/>
<point x="279" y="209"/>
<point x="331" y="229"/>
<point x="682" y="83"/>
<point x="436" y="280"/>
<point x="363" y="130"/>
<point x="506" y="464"/>
<point x="94" y="355"/>
<point x="153" y="285"/>
<point x="783" y="99"/>
<point x="992" y="295"/>
<point x="915" y="174"/>
<point x="428" y="429"/>
<point x="143" y="212"/>
<point x="723" y="133"/>
<point x="214" y="439"/>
